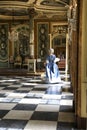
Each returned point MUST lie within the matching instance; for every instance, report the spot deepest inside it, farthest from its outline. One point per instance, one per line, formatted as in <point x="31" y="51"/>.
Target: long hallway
<point x="28" y="104"/>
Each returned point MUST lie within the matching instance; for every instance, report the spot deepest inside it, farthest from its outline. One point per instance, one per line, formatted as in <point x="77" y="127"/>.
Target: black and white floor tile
<point x="28" y="104"/>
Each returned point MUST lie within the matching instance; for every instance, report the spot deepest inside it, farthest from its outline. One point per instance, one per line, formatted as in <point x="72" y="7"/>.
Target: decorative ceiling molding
<point x="25" y="7"/>
<point x="14" y="11"/>
<point x="2" y="17"/>
<point x="57" y="3"/>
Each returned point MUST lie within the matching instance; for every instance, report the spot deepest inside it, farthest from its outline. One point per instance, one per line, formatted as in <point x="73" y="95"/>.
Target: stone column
<point x="31" y="45"/>
<point x="67" y="55"/>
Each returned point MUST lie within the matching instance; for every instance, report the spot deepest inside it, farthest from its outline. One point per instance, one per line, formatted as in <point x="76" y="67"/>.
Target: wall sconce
<point x="13" y="35"/>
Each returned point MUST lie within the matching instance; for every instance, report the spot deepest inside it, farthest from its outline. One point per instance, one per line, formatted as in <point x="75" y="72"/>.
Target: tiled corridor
<point x="26" y="103"/>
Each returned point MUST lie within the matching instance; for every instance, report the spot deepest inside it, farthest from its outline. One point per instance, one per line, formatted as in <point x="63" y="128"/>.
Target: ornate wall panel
<point x="42" y="40"/>
<point x="3" y="45"/>
<point x="21" y="45"/>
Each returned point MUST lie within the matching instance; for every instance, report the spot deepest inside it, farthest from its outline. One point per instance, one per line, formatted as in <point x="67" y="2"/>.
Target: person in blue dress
<point x="52" y="71"/>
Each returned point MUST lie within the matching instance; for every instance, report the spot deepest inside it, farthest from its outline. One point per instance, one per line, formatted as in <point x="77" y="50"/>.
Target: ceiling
<point x="28" y="8"/>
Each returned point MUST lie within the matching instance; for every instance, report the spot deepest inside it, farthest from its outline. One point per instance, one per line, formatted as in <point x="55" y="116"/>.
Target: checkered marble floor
<point x="28" y="104"/>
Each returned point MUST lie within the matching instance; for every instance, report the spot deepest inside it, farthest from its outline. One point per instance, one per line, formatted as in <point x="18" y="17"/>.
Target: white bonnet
<point x="51" y="50"/>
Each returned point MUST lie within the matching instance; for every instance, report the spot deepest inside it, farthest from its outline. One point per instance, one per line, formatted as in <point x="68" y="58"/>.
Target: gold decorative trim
<point x="3" y="60"/>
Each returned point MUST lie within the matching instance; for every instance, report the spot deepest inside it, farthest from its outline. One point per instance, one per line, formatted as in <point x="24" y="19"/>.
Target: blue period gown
<point x="52" y="71"/>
